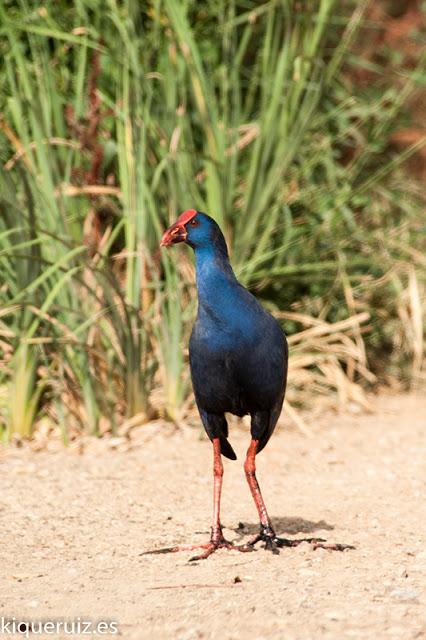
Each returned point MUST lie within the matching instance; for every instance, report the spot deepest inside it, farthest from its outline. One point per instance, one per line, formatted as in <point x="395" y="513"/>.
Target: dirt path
<point x="73" y="526"/>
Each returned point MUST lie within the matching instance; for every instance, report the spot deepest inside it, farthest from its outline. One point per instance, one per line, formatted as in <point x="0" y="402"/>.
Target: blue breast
<point x="237" y="349"/>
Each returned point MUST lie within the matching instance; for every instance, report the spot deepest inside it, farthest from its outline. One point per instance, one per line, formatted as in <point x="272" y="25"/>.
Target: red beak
<point x="174" y="234"/>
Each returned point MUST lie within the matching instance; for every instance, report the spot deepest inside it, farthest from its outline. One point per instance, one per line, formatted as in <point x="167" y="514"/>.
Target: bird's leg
<point x="216" y="535"/>
<point x="217" y="540"/>
<point x="267" y="533"/>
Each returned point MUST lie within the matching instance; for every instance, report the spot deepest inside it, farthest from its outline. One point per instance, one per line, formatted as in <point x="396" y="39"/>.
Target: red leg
<point x="217" y="541"/>
<point x="217" y="490"/>
<point x="250" y="471"/>
<point x="267" y="533"/>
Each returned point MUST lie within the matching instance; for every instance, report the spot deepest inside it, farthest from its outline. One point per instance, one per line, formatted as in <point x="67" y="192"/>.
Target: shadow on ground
<point x="284" y="525"/>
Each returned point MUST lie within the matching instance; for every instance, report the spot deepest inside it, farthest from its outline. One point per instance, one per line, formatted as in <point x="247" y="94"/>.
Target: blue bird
<point x="238" y="359"/>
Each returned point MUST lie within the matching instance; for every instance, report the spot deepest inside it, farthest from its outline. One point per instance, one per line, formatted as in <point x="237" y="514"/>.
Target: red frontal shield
<point x="177" y="231"/>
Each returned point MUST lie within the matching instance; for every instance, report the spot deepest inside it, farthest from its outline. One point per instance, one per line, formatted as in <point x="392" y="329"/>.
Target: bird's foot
<point x="213" y="545"/>
<point x="274" y="544"/>
<point x="217" y="541"/>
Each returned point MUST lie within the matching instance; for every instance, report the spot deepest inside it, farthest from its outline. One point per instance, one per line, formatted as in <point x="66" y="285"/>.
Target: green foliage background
<point x="115" y="116"/>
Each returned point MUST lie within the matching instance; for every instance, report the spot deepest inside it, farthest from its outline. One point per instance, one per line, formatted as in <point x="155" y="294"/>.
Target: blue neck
<point x="219" y="293"/>
<point x="213" y="271"/>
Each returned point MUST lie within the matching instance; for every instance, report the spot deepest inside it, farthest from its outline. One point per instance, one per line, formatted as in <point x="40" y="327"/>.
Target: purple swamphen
<point x="238" y="358"/>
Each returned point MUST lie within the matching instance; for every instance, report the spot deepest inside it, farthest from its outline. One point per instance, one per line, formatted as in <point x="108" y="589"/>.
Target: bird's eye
<point x="194" y="222"/>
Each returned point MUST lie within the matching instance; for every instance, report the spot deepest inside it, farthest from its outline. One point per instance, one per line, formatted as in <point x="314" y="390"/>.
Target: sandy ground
<point x="73" y="526"/>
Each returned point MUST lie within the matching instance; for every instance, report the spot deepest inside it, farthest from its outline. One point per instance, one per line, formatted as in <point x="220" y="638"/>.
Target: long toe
<point x="274" y="544"/>
<point x="332" y="546"/>
<point x="183" y="547"/>
<point x="223" y="544"/>
<point x="207" y="547"/>
<point x="286" y="542"/>
<point x="211" y="548"/>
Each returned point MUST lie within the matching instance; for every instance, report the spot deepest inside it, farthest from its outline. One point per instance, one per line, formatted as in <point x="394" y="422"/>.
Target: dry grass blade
<point x="88" y="190"/>
<point x="324" y="328"/>
<point x="33" y="145"/>
<point x="297" y="419"/>
<point x="321" y="358"/>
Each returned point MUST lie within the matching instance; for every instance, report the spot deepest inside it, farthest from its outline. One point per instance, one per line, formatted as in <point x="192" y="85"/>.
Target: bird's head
<point x="195" y="228"/>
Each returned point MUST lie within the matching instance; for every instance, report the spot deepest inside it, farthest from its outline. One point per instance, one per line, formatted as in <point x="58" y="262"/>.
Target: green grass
<point x="114" y="119"/>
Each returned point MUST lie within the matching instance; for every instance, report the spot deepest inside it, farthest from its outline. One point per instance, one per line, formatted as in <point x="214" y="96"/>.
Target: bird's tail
<point x="226" y="449"/>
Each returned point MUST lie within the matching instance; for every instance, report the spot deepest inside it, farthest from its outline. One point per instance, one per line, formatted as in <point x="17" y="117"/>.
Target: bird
<point x="238" y="358"/>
